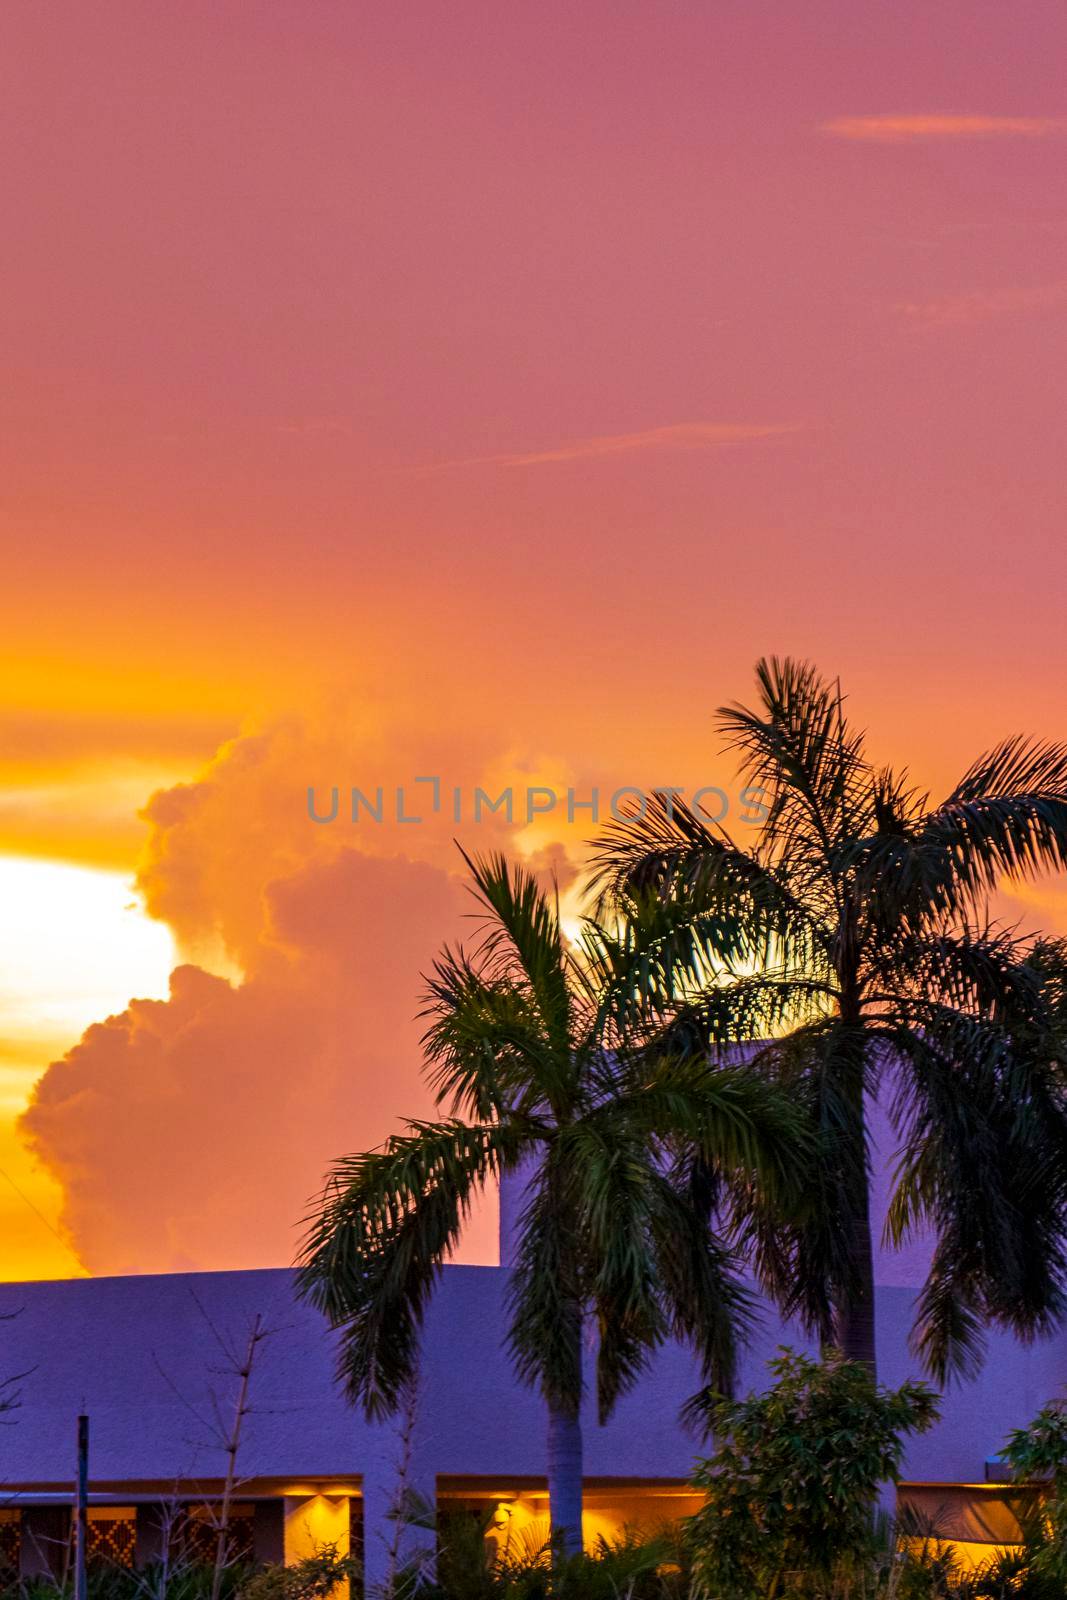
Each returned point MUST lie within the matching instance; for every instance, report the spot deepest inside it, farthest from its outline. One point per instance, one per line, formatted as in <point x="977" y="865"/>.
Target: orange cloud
<point x="904" y="129"/>
<point x="674" y="436"/>
<point x="219" y="845"/>
<point x="979" y="305"/>
<point x="191" y="1132"/>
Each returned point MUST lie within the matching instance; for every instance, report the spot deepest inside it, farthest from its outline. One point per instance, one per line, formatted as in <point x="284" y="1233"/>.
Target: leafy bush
<point x="627" y="1568"/>
<point x="109" y="1582"/>
<point x="1037" y="1456"/>
<point x="792" y="1488"/>
<point x="314" y="1578"/>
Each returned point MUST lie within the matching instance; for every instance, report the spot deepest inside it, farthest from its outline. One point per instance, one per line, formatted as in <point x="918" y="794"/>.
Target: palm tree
<point x="853" y="941"/>
<point x="535" y="1079"/>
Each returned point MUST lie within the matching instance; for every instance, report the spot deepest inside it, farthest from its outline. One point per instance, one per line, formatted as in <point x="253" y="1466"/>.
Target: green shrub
<point x="792" y="1487"/>
<point x="627" y="1568"/>
<point x="109" y="1582"/>
<point x="1037" y="1456"/>
<point x="314" y="1578"/>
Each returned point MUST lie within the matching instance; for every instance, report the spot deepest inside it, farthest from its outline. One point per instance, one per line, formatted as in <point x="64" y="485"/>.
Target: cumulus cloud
<point x="216" y="845"/>
<point x="914" y="128"/>
<point x="191" y="1132"/>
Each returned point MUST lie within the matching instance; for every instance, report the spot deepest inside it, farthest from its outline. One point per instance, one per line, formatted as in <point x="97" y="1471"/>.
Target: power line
<point x="38" y="1214"/>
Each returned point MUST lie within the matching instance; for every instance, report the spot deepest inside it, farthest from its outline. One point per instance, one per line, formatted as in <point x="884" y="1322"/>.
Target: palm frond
<point x="984" y="1165"/>
<point x="647" y="963"/>
<point x="376" y="1244"/>
<point x="743" y="1012"/>
<point x="802" y="1253"/>
<point x="984" y="971"/>
<point x="486" y="1046"/>
<point x="736" y="1120"/>
<point x="666" y="854"/>
<point x="521" y="935"/>
<point x="1006" y="818"/>
<point x="547" y="1293"/>
<point x="948" y="1336"/>
<point x="610" y="1183"/>
<point x="710" y="1308"/>
<point x="801" y="752"/>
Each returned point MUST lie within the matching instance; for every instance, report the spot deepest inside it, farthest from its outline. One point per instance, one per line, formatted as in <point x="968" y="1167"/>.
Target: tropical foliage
<point x="793" y="1483"/>
<point x="315" y="1577"/>
<point x="1037" y="1455"/>
<point x="108" y="1581"/>
<point x="534" y="1076"/>
<point x="854" y="942"/>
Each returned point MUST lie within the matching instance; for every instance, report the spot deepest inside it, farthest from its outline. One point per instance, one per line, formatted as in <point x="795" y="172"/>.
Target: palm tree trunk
<point x="854" y="1331"/>
<point x="565" y="1479"/>
<point x="854" y="1326"/>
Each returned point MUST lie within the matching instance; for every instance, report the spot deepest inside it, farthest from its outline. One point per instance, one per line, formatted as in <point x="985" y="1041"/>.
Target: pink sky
<point x="488" y="387"/>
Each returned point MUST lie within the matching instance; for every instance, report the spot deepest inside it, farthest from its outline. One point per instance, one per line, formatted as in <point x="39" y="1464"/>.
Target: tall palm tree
<point x="523" y="1055"/>
<point x="850" y="949"/>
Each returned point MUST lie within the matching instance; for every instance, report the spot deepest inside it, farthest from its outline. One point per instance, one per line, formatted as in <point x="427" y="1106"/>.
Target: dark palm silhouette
<point x="538" y="1080"/>
<point x="854" y="940"/>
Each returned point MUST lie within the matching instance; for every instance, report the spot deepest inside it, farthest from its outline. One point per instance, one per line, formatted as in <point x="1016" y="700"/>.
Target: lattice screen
<point x="197" y="1535"/>
<point x="112" y="1541"/>
<point x="10" y="1541"/>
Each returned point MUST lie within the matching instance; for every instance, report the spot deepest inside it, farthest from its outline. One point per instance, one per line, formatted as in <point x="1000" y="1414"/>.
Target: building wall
<point x="144" y="1354"/>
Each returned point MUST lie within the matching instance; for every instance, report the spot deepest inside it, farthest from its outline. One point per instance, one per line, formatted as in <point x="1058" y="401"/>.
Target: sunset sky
<point x="472" y="391"/>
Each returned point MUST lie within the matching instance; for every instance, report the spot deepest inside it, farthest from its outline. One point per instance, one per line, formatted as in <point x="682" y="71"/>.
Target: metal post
<point x="81" y="1514"/>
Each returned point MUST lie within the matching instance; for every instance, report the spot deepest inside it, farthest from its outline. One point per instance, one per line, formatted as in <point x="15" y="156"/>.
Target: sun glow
<point x="75" y="946"/>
